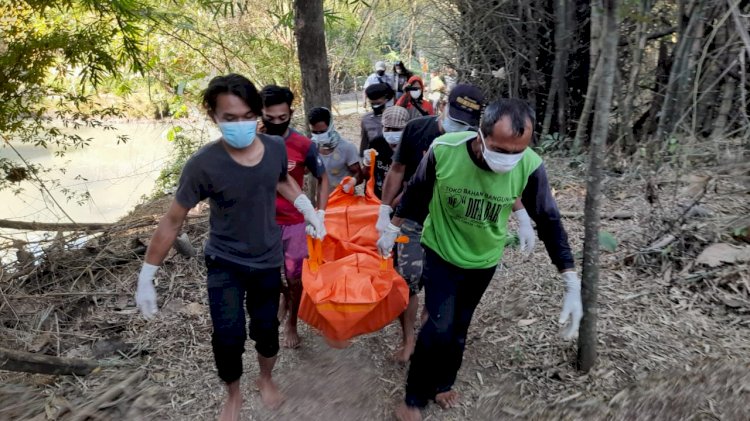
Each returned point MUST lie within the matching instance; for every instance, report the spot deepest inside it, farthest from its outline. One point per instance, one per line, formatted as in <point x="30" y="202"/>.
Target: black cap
<point x="465" y="104"/>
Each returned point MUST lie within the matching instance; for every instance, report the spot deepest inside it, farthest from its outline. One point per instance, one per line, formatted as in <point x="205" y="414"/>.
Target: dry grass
<point x="670" y="347"/>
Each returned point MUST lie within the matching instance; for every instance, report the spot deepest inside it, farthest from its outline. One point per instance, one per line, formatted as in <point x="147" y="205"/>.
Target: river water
<point x="116" y="176"/>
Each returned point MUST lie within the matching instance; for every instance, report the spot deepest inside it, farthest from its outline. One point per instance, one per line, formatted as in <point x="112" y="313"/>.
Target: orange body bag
<point x="348" y="288"/>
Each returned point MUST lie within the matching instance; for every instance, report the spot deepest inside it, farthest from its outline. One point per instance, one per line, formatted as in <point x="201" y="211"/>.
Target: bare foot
<point x="291" y="337"/>
<point x="269" y="393"/>
<point x="408" y="413"/>
<point x="447" y="400"/>
<point x="403" y="353"/>
<point x="231" y="410"/>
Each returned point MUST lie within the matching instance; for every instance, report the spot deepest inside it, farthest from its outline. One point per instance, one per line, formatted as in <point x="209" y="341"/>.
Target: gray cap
<point x="380" y="65"/>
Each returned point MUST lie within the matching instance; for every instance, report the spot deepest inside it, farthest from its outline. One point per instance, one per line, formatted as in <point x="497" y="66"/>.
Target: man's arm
<point x="323" y="191"/>
<point x="165" y="234"/>
<point x="352" y="161"/>
<point x="315" y="166"/>
<point x="288" y="188"/>
<point x="364" y="139"/>
<point x="414" y="202"/>
<point x="393" y="182"/>
<point x="358" y="172"/>
<point x="541" y="206"/>
<point x="418" y="193"/>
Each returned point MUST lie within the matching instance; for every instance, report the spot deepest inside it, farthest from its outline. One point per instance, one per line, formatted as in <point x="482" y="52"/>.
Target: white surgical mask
<point x="452" y="126"/>
<point x="393" y="138"/>
<point x="497" y="161"/>
<point x="415" y="94"/>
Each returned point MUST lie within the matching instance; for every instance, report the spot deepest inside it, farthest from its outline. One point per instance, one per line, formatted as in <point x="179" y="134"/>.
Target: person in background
<point x="339" y="156"/>
<point x="401" y="76"/>
<point x="240" y="174"/>
<point x="437" y="91"/>
<point x="302" y="157"/>
<point x="450" y="79"/>
<point x="378" y="77"/>
<point x="379" y="95"/>
<point x="468" y="183"/>
<point x="414" y="102"/>
<point x="394" y="121"/>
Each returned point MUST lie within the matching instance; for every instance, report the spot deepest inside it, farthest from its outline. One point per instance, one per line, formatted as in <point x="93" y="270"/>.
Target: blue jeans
<point x="451" y="296"/>
<point x="233" y="288"/>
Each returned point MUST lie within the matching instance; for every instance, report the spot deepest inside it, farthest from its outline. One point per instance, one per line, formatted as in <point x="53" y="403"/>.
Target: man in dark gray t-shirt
<point x="243" y="225"/>
<point x="240" y="175"/>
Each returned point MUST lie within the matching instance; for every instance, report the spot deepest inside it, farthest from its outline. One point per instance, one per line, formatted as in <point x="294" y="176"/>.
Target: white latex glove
<point x="145" y="294"/>
<point x="348" y="186"/>
<point x="572" y="309"/>
<point x="526" y="234"/>
<point x="384" y="218"/>
<point x="388" y="239"/>
<point x="366" y="157"/>
<point x="315" y="227"/>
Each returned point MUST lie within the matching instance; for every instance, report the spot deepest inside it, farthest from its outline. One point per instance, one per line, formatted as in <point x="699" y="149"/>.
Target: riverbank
<point x="673" y="331"/>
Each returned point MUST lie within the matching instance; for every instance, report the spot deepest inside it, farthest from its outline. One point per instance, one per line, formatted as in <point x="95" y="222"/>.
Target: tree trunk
<point x="587" y="338"/>
<point x="727" y="101"/>
<point x="639" y="46"/>
<point x="588" y="105"/>
<point x="312" y="54"/>
<point x="557" y="85"/>
<point x="595" y="66"/>
<point x="679" y="73"/>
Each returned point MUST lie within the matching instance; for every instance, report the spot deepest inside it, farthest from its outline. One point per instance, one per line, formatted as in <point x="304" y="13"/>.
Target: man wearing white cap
<point x="378" y="77"/>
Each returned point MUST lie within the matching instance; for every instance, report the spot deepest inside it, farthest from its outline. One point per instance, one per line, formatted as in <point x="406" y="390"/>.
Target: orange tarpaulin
<point x="348" y="288"/>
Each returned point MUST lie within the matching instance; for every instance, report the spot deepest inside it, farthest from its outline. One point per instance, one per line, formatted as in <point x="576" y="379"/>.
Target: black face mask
<point x="276" y="129"/>
<point x="381" y="72"/>
<point x="378" y="109"/>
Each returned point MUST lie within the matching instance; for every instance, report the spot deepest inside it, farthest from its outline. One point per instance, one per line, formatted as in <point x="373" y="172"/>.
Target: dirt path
<point x="664" y="354"/>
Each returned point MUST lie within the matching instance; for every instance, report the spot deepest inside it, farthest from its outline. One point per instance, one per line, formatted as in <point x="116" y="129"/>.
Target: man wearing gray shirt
<point x="240" y="174"/>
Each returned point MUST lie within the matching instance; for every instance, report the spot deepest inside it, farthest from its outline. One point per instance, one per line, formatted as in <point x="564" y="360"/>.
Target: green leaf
<point x="172" y="133"/>
<point x="607" y="241"/>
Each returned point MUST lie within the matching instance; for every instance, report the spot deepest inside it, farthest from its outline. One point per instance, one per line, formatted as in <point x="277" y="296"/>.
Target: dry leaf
<point x="526" y="322"/>
<point x="193" y="309"/>
<point x="719" y="253"/>
<point x="696" y="184"/>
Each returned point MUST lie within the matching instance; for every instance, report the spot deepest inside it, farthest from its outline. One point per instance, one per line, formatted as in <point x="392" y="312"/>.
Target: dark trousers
<point x="233" y="288"/>
<point x="451" y="296"/>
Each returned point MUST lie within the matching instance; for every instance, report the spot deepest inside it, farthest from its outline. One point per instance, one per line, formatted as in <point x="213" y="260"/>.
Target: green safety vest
<point x="469" y="210"/>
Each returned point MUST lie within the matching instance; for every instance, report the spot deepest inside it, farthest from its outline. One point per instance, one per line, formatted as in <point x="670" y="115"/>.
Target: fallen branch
<point x="56" y="226"/>
<point x="114" y="391"/>
<point x="615" y="215"/>
<point x="44" y="364"/>
<point x="82" y="226"/>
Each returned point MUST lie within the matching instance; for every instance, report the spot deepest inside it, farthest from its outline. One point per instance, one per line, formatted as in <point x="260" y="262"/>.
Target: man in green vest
<point x="469" y="182"/>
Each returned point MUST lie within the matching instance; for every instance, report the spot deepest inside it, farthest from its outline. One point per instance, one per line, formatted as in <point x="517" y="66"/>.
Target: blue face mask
<point x="238" y="134"/>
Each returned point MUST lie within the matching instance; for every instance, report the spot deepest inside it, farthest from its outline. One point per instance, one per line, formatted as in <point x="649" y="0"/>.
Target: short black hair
<point x="275" y="95"/>
<point x="518" y="111"/>
<point x="234" y="84"/>
<point x="319" y="114"/>
<point x="379" y="90"/>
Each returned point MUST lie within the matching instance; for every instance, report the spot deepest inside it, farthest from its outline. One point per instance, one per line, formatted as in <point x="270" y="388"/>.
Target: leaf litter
<point x="673" y="332"/>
